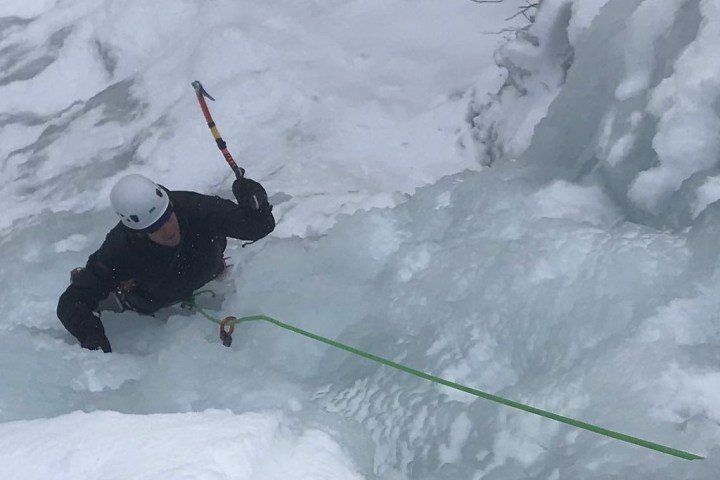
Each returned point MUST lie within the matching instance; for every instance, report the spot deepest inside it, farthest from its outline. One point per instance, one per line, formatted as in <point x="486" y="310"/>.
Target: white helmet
<point x="140" y="203"/>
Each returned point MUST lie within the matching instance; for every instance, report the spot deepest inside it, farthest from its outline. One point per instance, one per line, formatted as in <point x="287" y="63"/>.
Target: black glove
<point x="250" y="194"/>
<point x="96" y="340"/>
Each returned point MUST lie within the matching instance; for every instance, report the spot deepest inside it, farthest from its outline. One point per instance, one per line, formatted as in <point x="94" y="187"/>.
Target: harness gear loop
<point x="122" y="291"/>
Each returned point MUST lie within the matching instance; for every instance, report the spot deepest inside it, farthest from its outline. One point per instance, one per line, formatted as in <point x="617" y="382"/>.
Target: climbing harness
<point x="230" y="322"/>
<point x="119" y="295"/>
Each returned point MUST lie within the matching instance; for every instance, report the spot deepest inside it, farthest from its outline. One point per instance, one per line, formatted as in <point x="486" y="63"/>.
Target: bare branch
<point x="500" y="32"/>
<point x="528" y="11"/>
<point x="524" y="11"/>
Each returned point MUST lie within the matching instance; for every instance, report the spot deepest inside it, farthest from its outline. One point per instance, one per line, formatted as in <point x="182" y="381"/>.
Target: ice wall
<point x="543" y="278"/>
<point x="634" y="104"/>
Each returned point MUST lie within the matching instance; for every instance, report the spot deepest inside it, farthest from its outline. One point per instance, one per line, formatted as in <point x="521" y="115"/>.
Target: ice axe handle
<point x="202" y="94"/>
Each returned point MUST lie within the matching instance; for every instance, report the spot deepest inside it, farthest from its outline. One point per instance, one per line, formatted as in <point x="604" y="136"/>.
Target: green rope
<point x="478" y="393"/>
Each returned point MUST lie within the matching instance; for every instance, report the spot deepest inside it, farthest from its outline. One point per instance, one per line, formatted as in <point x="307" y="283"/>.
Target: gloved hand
<point x="250" y="194"/>
<point x="96" y="340"/>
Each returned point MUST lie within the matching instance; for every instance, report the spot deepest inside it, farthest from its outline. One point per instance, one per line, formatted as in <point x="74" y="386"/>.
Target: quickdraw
<point x="226" y="335"/>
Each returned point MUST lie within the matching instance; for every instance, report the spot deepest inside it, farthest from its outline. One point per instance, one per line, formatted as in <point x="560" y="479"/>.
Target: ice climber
<point x="166" y="245"/>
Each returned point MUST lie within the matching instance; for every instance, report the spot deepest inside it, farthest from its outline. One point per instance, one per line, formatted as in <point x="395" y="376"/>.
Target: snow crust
<point x="216" y="444"/>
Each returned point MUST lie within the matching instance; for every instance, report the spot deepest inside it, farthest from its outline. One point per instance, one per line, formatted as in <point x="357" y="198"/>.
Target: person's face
<point x="168" y="235"/>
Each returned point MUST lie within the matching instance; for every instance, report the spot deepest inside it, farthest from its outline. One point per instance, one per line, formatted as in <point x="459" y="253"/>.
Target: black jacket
<point x="162" y="275"/>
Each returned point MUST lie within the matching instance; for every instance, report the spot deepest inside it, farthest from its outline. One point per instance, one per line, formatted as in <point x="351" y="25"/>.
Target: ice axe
<point x="201" y="95"/>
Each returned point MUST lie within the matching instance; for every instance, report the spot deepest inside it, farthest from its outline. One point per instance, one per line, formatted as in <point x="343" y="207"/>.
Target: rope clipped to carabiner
<point x="230" y="322"/>
<point x="227" y="324"/>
